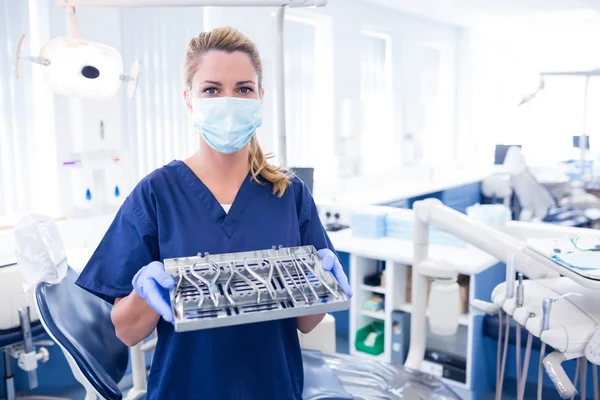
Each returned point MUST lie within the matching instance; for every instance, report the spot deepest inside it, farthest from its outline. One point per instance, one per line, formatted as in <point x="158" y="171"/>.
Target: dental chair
<point x="80" y="324"/>
<point x="532" y="201"/>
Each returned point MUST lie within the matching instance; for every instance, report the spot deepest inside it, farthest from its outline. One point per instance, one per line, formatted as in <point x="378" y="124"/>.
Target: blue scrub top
<point x="171" y="213"/>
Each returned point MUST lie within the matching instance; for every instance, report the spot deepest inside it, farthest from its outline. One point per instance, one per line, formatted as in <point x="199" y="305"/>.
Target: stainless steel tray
<point x="240" y="288"/>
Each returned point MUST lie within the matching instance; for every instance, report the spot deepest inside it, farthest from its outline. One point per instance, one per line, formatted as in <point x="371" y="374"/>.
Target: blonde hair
<point x="231" y="40"/>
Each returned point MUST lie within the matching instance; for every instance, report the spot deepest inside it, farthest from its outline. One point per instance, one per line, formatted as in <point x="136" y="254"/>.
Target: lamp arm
<point x="192" y="3"/>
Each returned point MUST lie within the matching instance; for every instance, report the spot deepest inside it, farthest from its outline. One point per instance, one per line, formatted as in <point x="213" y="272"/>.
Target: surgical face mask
<point x="226" y="123"/>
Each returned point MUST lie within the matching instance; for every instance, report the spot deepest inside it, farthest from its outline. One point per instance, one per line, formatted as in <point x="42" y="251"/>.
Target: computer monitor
<point x="306" y="175"/>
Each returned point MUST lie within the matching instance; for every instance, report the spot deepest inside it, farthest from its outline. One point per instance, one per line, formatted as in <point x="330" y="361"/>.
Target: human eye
<point x="245" y="90"/>
<point x="210" y="91"/>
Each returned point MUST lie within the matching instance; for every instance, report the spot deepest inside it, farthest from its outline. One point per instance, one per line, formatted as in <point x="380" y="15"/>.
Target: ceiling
<point x="475" y="12"/>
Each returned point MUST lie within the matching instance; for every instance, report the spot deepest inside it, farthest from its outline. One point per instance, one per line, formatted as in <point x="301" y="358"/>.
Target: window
<point x="300" y="77"/>
<point x="437" y="105"/>
<point x="15" y="125"/>
<point x="157" y="126"/>
<point x="377" y="141"/>
<point x="308" y="93"/>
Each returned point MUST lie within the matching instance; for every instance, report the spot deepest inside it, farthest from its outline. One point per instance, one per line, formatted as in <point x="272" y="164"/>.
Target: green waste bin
<point x="360" y="342"/>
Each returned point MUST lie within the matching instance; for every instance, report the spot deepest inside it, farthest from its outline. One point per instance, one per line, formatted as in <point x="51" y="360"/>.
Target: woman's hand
<point x="152" y="283"/>
<point x="331" y="263"/>
<point x="136" y="315"/>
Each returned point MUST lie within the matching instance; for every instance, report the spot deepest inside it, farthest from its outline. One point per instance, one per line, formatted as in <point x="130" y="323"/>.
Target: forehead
<point x="222" y="66"/>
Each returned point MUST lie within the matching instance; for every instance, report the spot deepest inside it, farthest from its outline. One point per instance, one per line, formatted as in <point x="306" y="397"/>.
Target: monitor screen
<point x="306" y="175"/>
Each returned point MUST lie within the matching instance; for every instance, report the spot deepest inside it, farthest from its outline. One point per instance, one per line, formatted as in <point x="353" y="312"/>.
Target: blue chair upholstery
<point x="80" y="322"/>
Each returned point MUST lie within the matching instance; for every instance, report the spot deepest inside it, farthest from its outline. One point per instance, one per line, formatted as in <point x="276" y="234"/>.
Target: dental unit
<point x="569" y="326"/>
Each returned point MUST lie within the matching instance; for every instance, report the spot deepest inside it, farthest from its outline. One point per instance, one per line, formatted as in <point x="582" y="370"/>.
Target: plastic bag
<point x="39" y="250"/>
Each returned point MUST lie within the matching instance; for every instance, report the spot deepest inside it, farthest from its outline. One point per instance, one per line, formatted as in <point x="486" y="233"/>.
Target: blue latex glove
<point x="332" y="264"/>
<point x="152" y="283"/>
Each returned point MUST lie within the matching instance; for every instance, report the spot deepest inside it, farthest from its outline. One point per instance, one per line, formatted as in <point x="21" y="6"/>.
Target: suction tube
<point x="523" y="382"/>
<point x="504" y="353"/>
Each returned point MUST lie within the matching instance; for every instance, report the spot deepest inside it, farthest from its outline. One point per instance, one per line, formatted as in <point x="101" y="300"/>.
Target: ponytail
<point x="259" y="166"/>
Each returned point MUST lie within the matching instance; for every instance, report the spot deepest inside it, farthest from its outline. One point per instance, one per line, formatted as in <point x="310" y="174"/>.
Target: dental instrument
<point x="312" y="271"/>
<point x="298" y="288"/>
<point x="299" y="268"/>
<point x="213" y="290"/>
<point x="266" y="282"/>
<point x="299" y="271"/>
<point x="233" y="271"/>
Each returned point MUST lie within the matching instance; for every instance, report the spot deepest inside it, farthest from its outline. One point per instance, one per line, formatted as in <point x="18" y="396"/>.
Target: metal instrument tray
<point x="240" y="288"/>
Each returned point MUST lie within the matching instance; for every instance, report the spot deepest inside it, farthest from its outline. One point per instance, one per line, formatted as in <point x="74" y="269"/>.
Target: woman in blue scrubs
<point x="225" y="198"/>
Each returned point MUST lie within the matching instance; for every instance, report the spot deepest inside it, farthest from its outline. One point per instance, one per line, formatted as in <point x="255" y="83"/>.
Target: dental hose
<point x="595" y="377"/>
<point x="521" y="387"/>
<point x="583" y="377"/>
<point x="519" y="301"/>
<point x="518" y="357"/>
<point x="541" y="371"/>
<point x="499" y="352"/>
<point x="504" y="353"/>
<point x="576" y="378"/>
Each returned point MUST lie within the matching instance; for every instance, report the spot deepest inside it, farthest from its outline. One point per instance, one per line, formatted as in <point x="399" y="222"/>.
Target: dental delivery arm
<point x="133" y="318"/>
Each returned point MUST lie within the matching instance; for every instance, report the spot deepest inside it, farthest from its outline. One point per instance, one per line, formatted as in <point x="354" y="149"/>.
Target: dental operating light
<point x="81" y="68"/>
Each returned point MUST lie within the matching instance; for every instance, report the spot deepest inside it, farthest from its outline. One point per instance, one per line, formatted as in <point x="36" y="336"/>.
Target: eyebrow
<point x="213" y="83"/>
<point x="239" y="83"/>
